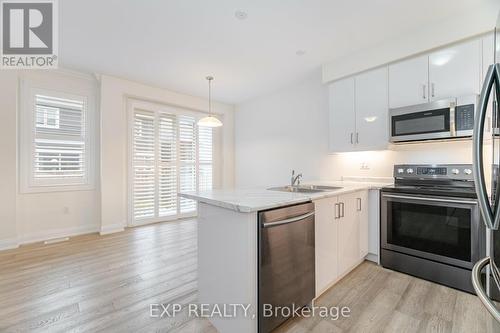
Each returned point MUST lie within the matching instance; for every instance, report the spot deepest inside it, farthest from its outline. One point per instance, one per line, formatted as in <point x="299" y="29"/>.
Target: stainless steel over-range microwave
<point x="442" y="119"/>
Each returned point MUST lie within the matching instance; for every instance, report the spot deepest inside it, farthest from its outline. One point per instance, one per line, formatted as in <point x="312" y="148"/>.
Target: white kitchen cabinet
<point x="374" y="226"/>
<point x="362" y="217"/>
<point x="488" y="53"/>
<point x="342" y="118"/>
<point x="341" y="236"/>
<point x="371" y="107"/>
<point x="455" y="71"/>
<point x="358" y="112"/>
<point x="488" y="57"/>
<point x="408" y="82"/>
<point x="326" y="234"/>
<point x="348" y="233"/>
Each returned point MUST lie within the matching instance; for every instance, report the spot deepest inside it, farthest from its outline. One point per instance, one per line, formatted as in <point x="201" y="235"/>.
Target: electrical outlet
<point x="364" y="166"/>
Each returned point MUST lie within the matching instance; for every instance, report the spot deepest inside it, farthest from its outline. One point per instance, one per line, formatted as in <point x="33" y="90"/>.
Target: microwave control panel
<point x="464" y="117"/>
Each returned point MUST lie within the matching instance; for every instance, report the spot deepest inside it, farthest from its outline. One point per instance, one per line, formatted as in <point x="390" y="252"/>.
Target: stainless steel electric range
<point x="431" y="226"/>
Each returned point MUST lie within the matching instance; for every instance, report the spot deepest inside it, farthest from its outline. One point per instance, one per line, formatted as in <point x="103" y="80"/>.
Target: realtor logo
<point x="29" y="34"/>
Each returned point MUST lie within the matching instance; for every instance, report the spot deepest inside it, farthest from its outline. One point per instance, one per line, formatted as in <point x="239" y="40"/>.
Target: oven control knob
<point x="467" y="171"/>
<point x="401" y="170"/>
<point x="455" y="171"/>
<point x="409" y="171"/>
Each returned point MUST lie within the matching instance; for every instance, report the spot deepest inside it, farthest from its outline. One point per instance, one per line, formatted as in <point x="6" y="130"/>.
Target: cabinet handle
<point x="342" y="207"/>
<point x="359" y="204"/>
<point x="336" y="211"/>
<point x="424" y="88"/>
<point x="357" y="137"/>
<point x="351" y="139"/>
<point x="432" y="90"/>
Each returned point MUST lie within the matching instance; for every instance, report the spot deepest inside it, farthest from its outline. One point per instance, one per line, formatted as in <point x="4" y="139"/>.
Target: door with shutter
<point x="168" y="153"/>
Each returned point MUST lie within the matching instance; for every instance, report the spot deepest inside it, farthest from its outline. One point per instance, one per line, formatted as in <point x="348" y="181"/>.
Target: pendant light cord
<point x="210" y="78"/>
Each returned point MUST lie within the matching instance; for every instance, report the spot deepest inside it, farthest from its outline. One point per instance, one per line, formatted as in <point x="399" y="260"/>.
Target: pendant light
<point x="209" y="121"/>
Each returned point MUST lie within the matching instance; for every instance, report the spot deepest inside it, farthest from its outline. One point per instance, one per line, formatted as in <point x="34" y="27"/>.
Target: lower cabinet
<point x="326" y="232"/>
<point x="341" y="232"/>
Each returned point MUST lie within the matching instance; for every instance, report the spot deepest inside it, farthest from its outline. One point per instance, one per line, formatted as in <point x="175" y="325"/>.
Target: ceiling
<point x="174" y="44"/>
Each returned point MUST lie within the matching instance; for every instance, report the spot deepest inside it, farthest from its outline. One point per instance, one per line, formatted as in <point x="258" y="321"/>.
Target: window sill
<point x="56" y="188"/>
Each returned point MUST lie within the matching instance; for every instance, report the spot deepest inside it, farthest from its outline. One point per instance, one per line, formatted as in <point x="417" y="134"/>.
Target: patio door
<point x="168" y="153"/>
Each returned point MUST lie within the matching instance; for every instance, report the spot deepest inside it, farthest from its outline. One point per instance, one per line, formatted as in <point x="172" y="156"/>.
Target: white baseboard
<point x="8" y="244"/>
<point x="112" y="228"/>
<point x="56" y="233"/>
<point x="13" y="243"/>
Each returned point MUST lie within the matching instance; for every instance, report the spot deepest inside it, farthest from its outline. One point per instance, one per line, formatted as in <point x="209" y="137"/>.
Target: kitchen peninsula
<point x="228" y="240"/>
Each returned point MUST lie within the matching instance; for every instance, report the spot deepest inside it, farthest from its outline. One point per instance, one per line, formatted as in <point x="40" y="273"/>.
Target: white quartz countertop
<point x="252" y="200"/>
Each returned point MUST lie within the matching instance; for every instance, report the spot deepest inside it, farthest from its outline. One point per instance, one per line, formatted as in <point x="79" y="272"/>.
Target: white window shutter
<point x="167" y="176"/>
<point x="59" y="140"/>
<point x="187" y="159"/>
<point x="170" y="153"/>
<point x="205" y="158"/>
<point x="143" y="165"/>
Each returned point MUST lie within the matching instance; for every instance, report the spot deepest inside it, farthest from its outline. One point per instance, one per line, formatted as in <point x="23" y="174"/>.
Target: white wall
<point x="425" y="38"/>
<point x="289" y="129"/>
<point x="30" y="217"/>
<point x="283" y="131"/>
<point x="114" y="94"/>
<point x="8" y="164"/>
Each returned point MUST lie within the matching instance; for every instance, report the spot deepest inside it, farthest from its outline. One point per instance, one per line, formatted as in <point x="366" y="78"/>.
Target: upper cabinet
<point x="358" y="112"/>
<point x="455" y="71"/>
<point x="488" y="56"/>
<point x="371" y="110"/>
<point x="342" y="117"/>
<point x="451" y="72"/>
<point x="359" y="104"/>
<point x="408" y="82"/>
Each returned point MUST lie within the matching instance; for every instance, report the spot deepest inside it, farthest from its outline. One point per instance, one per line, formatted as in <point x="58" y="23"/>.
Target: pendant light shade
<point x="209" y="121"/>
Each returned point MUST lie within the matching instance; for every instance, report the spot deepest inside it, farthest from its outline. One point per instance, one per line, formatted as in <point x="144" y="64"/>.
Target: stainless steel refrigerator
<point x="486" y="159"/>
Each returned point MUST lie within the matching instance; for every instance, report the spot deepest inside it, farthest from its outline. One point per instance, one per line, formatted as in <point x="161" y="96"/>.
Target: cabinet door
<point x="488" y="58"/>
<point x="348" y="252"/>
<point x="326" y="229"/>
<point x="455" y="71"/>
<point x="372" y="110"/>
<point x="342" y="118"/>
<point x="362" y="216"/>
<point x="408" y="82"/>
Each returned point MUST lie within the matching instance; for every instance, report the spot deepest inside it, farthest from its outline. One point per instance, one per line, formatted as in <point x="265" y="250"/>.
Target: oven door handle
<point x="468" y="202"/>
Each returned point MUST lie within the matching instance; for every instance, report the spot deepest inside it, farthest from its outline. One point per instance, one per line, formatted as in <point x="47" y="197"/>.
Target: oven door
<point x="441" y="229"/>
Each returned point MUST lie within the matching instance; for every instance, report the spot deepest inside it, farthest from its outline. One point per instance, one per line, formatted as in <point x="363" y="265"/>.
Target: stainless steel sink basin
<point x="305" y="188"/>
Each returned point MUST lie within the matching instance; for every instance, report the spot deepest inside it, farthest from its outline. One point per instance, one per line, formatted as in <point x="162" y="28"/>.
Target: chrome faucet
<point x="295" y="179"/>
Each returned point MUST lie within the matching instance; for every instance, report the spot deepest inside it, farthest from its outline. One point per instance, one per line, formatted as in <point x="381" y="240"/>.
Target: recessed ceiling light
<point x="240" y="15"/>
<point x="300" y="52"/>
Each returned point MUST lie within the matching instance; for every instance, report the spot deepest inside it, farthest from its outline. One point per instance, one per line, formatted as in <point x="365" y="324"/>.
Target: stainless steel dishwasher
<point x="286" y="261"/>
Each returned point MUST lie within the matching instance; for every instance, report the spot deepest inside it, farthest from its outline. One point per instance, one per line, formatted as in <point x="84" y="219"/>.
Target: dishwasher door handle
<point x="286" y="221"/>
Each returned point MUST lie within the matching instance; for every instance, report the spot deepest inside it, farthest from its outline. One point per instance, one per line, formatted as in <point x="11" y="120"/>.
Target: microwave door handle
<point x="453" y="128"/>
<point x="491" y="218"/>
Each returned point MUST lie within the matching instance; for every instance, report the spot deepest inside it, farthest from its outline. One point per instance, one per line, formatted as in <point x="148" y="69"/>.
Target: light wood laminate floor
<point x="98" y="283"/>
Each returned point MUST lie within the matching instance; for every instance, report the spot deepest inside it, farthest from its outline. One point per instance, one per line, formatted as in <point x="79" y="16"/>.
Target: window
<point x="169" y="153"/>
<point x="56" y="145"/>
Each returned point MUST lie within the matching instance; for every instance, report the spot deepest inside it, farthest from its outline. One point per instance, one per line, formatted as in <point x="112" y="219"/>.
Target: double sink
<point x="305" y="188"/>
